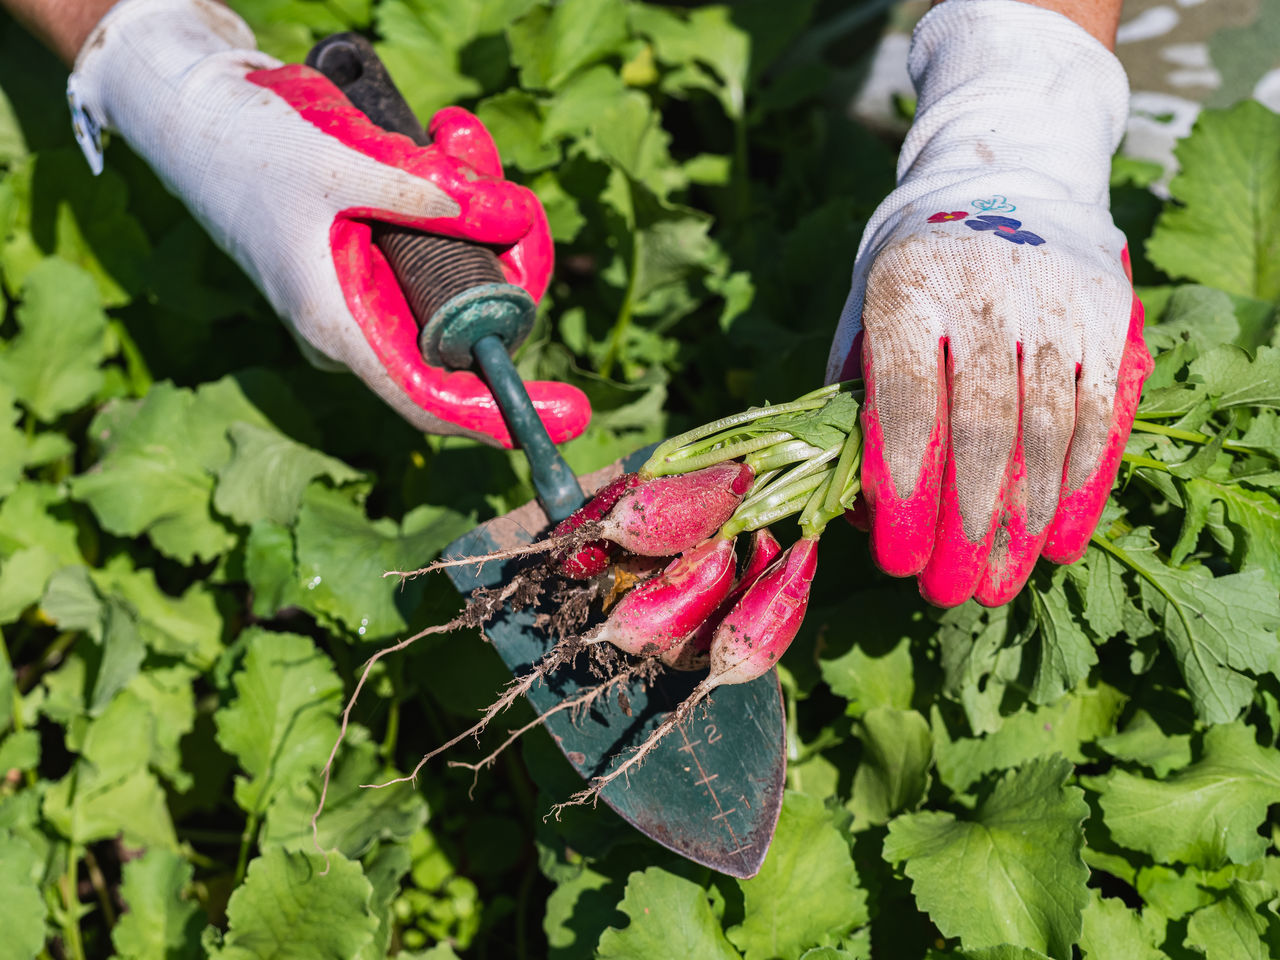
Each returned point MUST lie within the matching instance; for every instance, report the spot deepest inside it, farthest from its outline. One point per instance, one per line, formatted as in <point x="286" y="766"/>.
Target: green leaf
<point x="893" y="772"/>
<point x="1215" y="626"/>
<point x="581" y="103"/>
<point x="1021" y="849"/>
<point x="781" y="914"/>
<point x="1202" y="315"/>
<point x="824" y="427"/>
<point x="63" y="210"/>
<point x="670" y="917"/>
<point x="868" y="681"/>
<point x="1252" y="515"/>
<point x="1235" y="379"/>
<point x="281" y="725"/>
<point x="22" y="907"/>
<point x="299" y="906"/>
<point x="19" y="750"/>
<point x="708" y="35"/>
<point x="342" y="556"/>
<point x="160" y="922"/>
<point x="354" y="817"/>
<point x="170" y="702"/>
<point x="85" y="807"/>
<point x="980" y="657"/>
<point x="575" y="914"/>
<point x="26" y="520"/>
<point x="53" y="362"/>
<point x="1206" y="814"/>
<point x="1078" y="718"/>
<point x="1114" y="932"/>
<point x="549" y="44"/>
<point x="270" y="569"/>
<point x="154" y="480"/>
<point x="267" y="474"/>
<point x="514" y="118"/>
<point x="1066" y="652"/>
<point x="1243" y="925"/>
<point x="1226" y="230"/>
<point x="187" y="626"/>
<point x="1143" y="741"/>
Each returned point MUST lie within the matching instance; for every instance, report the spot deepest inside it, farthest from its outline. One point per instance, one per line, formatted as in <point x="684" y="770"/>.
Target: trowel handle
<point x="466" y="310"/>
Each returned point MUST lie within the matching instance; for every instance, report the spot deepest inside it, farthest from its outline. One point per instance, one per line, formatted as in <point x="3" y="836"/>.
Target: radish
<point x="745" y="646"/>
<point x="760" y="627"/>
<point x="592" y="558"/>
<point x="668" y="515"/>
<point x="692" y="653"/>
<point x="667" y="608"/>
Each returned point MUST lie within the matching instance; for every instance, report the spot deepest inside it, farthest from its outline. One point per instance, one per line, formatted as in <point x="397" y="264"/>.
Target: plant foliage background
<point x="193" y="525"/>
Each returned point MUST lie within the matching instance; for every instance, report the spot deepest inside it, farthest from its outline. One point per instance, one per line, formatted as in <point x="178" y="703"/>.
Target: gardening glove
<point x="992" y="313"/>
<point x="288" y="177"/>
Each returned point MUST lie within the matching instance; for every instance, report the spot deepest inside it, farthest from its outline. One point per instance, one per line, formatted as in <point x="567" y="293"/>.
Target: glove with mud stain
<point x="992" y="313"/>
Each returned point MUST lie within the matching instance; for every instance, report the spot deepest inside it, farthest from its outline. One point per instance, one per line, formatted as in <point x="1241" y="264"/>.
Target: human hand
<point x="992" y="313"/>
<point x="289" y="178"/>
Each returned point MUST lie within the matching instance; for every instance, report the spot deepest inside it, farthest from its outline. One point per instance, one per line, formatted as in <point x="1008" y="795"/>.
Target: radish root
<point x="326" y="773"/>
<point x="677" y="716"/>
<point x="569" y="541"/>
<point x="578" y="705"/>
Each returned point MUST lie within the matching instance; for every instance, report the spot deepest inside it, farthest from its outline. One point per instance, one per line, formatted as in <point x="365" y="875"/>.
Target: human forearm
<point x="61" y="25"/>
<point x="1099" y="17"/>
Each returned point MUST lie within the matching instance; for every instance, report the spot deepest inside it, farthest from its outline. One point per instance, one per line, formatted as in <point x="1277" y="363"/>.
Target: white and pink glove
<point x="287" y="177"/>
<point x="992" y="313"/>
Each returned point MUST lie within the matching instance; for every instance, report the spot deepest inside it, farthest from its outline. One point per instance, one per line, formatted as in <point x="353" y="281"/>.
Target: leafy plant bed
<point x="194" y="527"/>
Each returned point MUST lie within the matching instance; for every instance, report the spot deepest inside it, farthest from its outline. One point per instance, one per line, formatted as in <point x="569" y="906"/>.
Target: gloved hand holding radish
<point x="290" y="179"/>
<point x="991" y="311"/>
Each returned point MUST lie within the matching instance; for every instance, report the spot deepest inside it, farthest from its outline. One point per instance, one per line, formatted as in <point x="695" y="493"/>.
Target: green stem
<point x="1134" y="460"/>
<point x="623" y="322"/>
<point x="680" y="463"/>
<point x="780" y="455"/>
<point x="810" y="401"/>
<point x="71" y="904"/>
<point x="761" y="492"/>
<point x="99" y="883"/>
<point x="247" y="840"/>
<point x="783" y="501"/>
<point x="1189" y="436"/>
<point x="393" y="731"/>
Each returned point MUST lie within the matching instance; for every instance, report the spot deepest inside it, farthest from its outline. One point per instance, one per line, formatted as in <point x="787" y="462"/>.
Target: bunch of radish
<point x="667" y="536"/>
<point x="693" y="500"/>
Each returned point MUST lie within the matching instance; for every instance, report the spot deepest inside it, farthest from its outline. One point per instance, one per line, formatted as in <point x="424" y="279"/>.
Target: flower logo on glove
<point x="948" y="217"/>
<point x="1006" y="228"/>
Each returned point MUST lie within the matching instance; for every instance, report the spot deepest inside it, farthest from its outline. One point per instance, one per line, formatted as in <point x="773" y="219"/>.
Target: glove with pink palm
<point x="991" y="312"/>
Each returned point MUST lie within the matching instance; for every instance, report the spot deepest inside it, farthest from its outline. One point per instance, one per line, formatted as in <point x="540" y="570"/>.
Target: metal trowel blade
<point x="712" y="790"/>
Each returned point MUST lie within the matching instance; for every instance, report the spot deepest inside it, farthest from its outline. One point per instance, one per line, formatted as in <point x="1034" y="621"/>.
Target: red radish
<point x="746" y="644"/>
<point x="668" y="515"/>
<point x="667" y="608"/>
<point x="692" y="654"/>
<point x="763" y="623"/>
<point x="592" y="558"/>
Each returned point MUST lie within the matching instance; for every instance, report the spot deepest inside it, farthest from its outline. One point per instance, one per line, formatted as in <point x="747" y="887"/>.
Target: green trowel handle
<point x="467" y="312"/>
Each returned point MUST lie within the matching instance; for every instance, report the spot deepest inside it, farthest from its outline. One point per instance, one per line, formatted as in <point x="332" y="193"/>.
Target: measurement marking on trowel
<point x="721" y="813"/>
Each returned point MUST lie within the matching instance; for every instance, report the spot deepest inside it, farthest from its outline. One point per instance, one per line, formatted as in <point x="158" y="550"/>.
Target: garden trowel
<point x="712" y="790"/>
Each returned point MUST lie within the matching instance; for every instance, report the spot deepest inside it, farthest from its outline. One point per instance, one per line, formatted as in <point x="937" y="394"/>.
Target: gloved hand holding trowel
<point x="990" y="316"/>
<point x="287" y="177"/>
